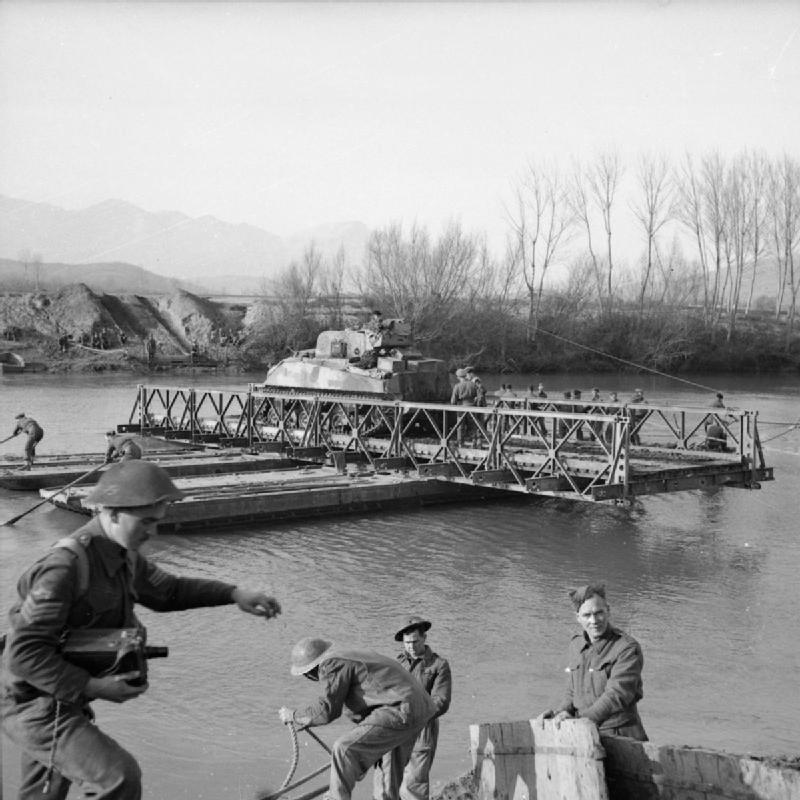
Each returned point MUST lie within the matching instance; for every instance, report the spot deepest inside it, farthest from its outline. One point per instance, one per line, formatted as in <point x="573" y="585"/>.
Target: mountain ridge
<point x="236" y="256"/>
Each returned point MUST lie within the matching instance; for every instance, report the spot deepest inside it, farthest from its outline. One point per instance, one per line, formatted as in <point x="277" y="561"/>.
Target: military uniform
<point x="125" y="450"/>
<point x="33" y="431"/>
<point x="604" y="682"/>
<point x="390" y="708"/>
<point x="44" y="708"/>
<point x="433" y="672"/>
<point x="464" y="393"/>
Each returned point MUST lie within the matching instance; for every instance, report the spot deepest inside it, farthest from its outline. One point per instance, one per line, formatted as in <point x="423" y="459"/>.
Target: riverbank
<point x="76" y="330"/>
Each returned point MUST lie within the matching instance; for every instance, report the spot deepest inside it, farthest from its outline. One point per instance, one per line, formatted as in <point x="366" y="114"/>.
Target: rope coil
<point x="295" y="755"/>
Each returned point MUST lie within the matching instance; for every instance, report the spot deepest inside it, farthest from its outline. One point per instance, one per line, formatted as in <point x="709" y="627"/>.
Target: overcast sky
<point x="287" y="115"/>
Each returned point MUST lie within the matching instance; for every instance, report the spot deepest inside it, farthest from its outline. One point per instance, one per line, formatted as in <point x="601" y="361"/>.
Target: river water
<point x="706" y="580"/>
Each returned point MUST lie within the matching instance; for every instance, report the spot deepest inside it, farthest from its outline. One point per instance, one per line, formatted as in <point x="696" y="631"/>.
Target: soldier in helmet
<point x="388" y="704"/>
<point x="433" y="672"/>
<point x="121" y="448"/>
<point x="45" y="698"/>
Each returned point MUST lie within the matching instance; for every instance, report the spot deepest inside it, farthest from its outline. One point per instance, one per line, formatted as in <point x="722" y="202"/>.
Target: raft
<point x="55" y="471"/>
<point x="287" y="492"/>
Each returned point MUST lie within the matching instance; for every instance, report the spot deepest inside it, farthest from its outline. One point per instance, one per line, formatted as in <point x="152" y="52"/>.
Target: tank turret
<point x="380" y="361"/>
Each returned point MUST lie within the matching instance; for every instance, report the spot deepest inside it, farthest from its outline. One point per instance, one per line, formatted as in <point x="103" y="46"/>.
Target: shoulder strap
<point x="77" y="545"/>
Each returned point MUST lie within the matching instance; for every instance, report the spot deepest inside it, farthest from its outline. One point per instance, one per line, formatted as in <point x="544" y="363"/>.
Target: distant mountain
<point x="168" y="243"/>
<point x="102" y="278"/>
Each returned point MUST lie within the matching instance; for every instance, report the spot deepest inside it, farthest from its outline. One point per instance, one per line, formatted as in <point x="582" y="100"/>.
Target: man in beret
<point x="433" y="672"/>
<point x="604" y="670"/>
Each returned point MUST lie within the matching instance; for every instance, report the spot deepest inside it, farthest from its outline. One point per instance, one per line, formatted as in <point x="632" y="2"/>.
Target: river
<point x="706" y="580"/>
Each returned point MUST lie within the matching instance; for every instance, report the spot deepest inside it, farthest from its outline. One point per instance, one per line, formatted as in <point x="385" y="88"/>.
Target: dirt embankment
<point x="75" y="328"/>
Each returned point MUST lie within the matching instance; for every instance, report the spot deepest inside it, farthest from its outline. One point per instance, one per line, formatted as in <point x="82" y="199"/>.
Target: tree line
<point x="705" y="233"/>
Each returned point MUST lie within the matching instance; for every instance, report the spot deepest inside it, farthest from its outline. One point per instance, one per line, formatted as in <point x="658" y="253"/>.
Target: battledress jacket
<point x="604" y="679"/>
<point x="433" y="672"/>
<point x="50" y="603"/>
<point x="362" y="684"/>
<point x="29" y="426"/>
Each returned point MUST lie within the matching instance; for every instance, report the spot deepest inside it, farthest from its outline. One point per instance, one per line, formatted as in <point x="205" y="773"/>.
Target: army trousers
<point x="386" y="745"/>
<point x="63" y="736"/>
<point x="416" y="778"/>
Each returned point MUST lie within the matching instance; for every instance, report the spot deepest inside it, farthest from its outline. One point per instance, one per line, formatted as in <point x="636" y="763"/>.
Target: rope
<point x="629" y="363"/>
<point x="295" y="756"/>
<point x="793" y="427"/>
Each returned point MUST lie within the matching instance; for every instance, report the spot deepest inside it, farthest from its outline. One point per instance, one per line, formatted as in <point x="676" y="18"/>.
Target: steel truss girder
<point x="534" y="448"/>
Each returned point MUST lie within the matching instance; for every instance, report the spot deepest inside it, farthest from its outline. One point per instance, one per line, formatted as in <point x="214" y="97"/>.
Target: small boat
<point x="13" y="364"/>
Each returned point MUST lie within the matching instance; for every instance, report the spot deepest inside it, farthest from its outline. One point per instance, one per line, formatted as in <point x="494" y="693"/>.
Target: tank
<point x="379" y="361"/>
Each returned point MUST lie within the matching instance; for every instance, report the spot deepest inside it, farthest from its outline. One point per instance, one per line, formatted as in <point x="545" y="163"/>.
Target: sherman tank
<point x="378" y="361"/>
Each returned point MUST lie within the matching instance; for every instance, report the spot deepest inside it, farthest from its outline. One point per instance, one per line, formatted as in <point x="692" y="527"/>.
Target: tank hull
<point x="423" y="380"/>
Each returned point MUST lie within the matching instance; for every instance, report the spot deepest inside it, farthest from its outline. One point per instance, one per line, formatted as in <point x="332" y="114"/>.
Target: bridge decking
<point x="553" y="448"/>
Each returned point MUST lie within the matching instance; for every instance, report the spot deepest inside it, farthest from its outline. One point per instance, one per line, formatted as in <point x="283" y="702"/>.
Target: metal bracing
<point x="601" y="451"/>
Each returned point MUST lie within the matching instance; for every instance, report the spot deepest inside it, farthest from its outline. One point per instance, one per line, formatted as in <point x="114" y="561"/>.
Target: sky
<point x="292" y="115"/>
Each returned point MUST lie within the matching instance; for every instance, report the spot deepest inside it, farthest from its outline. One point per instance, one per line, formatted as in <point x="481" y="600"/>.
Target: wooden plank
<point x="568" y="760"/>
<point x="502" y="759"/>
<point x="532" y="760"/>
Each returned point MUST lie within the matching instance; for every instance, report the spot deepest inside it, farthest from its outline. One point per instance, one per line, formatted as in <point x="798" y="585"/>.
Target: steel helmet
<point x="129" y="484"/>
<point x="308" y="653"/>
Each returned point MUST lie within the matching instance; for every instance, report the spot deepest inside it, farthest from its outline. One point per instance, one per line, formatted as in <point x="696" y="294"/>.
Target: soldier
<point x="604" y="670"/>
<point x="480" y="389"/>
<point x="34" y="432"/>
<point x="121" y="448"/>
<point x="433" y="672"/>
<point x="637" y="415"/>
<point x="388" y="705"/>
<point x="92" y="580"/>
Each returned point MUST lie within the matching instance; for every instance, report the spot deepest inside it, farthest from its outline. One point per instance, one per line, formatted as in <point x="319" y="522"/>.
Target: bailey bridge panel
<point x="599" y="452"/>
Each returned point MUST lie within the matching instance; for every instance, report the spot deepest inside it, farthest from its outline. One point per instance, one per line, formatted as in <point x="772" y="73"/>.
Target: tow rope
<point x="295" y="756"/>
<point x="287" y="785"/>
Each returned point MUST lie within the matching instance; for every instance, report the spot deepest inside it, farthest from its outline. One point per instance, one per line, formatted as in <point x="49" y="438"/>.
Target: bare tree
<point x="331" y="283"/>
<point x="701" y="210"/>
<point x="604" y="176"/>
<point x="32" y="266"/>
<point x="784" y="222"/>
<point x="540" y="223"/>
<point x="580" y="203"/>
<point x="653" y="210"/>
<point x="422" y="281"/>
<point x="784" y="216"/>
<point x="294" y="291"/>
